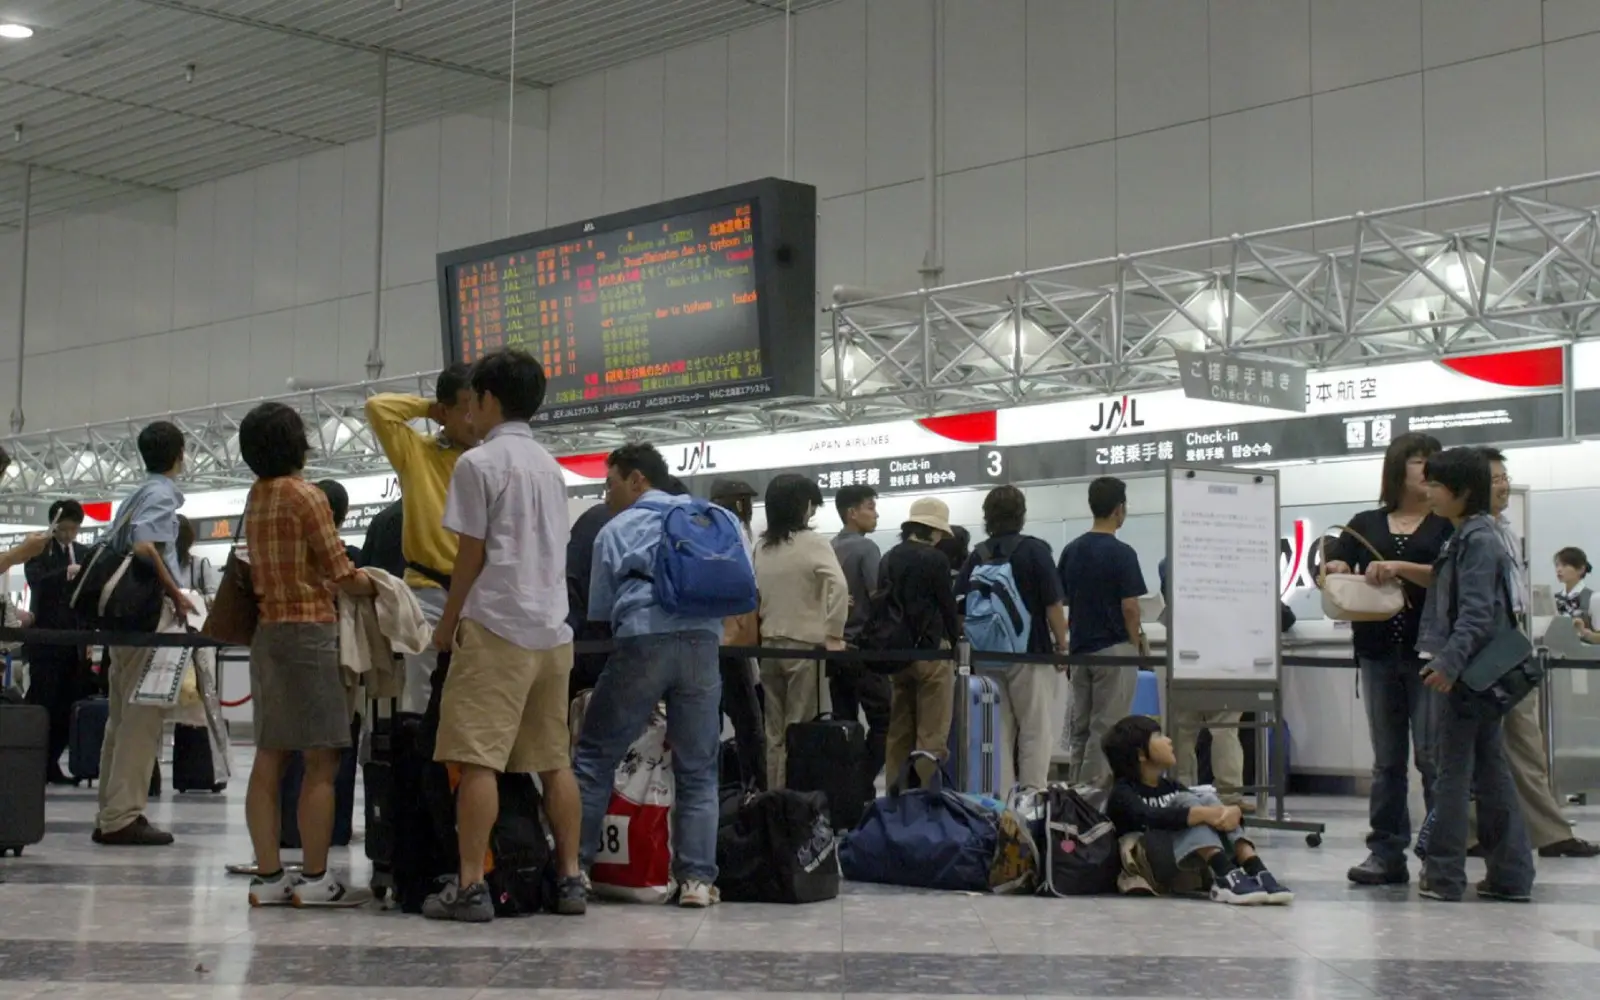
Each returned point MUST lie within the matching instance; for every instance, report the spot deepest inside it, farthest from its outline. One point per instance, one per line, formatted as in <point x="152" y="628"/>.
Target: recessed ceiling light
<point x="15" y="31"/>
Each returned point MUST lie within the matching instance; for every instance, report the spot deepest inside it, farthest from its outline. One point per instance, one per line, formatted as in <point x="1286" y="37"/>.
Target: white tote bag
<point x="1348" y="597"/>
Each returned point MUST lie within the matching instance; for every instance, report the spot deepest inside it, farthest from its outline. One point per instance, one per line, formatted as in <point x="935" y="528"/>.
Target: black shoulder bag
<point x="116" y="588"/>
<point x="1502" y="673"/>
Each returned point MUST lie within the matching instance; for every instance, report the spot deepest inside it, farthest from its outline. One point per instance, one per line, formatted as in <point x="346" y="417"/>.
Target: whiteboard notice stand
<point x="1223" y="648"/>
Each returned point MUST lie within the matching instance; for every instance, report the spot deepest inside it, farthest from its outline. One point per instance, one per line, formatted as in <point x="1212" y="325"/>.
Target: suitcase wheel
<point x="219" y="788"/>
<point x="14" y="850"/>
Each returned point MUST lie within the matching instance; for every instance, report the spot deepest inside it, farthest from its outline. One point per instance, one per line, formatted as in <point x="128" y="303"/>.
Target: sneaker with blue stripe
<point x="1237" y="888"/>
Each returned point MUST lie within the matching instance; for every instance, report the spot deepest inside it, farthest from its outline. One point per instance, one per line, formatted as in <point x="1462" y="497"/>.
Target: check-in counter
<point x="1572" y="710"/>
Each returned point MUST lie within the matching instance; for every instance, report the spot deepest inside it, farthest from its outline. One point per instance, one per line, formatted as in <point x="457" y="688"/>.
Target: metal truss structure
<point x="1504" y="269"/>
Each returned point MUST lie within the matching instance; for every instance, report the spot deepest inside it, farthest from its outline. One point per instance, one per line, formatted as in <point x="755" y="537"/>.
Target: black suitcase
<point x="24" y="753"/>
<point x="193" y="766"/>
<point x="829" y="755"/>
<point x="86" y="734"/>
<point x="344" y="795"/>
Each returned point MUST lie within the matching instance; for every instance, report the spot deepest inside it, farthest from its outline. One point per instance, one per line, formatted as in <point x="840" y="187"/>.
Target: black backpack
<point x="778" y="847"/>
<point x="888" y="627"/>
<point x="522" y="880"/>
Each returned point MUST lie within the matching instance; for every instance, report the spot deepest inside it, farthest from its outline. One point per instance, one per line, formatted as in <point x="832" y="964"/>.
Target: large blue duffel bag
<point x="927" y="838"/>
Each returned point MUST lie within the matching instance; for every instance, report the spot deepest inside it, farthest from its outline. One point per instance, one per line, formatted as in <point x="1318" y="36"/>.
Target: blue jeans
<point x="1400" y="718"/>
<point x="1472" y="755"/>
<point x="681" y="669"/>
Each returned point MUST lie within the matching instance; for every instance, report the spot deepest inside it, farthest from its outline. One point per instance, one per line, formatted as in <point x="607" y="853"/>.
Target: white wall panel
<point x="109" y="295"/>
<point x="1456" y="30"/>
<point x="1072" y="207"/>
<point x="1072" y="71"/>
<point x="1260" y="52"/>
<point x="985" y="83"/>
<point x="830" y="98"/>
<point x="529" y="165"/>
<point x="1261" y="168"/>
<point x="695" y="154"/>
<point x="986" y="222"/>
<point x="10" y="255"/>
<point x="841" y="245"/>
<point x="276" y="218"/>
<point x="79" y="313"/>
<point x="272" y="353"/>
<point x="411" y="217"/>
<point x="897" y="236"/>
<point x="577" y="149"/>
<point x="48" y="387"/>
<point x="355" y="337"/>
<point x="1480" y="132"/>
<point x="229" y="360"/>
<point x="154" y="252"/>
<point x="315" y="351"/>
<point x="1571" y="83"/>
<point x="412" y="341"/>
<point x="357" y="216"/>
<point x="1366" y="143"/>
<point x="47" y="272"/>
<point x="1358" y="41"/>
<point x="755" y="102"/>
<point x="233" y="247"/>
<point x="466" y="182"/>
<point x="1566" y="18"/>
<point x="1163" y="74"/>
<point x="319" y="227"/>
<point x="139" y="386"/>
<point x="188" y="356"/>
<point x="634" y="134"/>
<point x="899" y="73"/>
<point x="1164" y="187"/>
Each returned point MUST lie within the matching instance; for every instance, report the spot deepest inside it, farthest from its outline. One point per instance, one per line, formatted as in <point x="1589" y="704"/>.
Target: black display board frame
<point x="785" y="242"/>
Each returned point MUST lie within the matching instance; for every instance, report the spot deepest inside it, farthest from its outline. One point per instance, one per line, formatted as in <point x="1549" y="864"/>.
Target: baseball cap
<point x="731" y="489"/>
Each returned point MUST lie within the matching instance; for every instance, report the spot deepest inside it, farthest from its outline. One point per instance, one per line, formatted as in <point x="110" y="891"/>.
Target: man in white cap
<point x="914" y="607"/>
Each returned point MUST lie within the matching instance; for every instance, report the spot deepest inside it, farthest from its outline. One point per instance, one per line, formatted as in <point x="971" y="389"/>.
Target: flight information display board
<point x="686" y="304"/>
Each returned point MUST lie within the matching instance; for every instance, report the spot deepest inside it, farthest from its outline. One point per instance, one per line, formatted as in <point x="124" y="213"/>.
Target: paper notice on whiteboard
<point x="1224" y="578"/>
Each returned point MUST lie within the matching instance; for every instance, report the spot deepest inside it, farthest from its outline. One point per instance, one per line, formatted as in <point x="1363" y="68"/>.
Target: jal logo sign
<point x="695" y="459"/>
<point x="1299" y="558"/>
<point x="1117" y="415"/>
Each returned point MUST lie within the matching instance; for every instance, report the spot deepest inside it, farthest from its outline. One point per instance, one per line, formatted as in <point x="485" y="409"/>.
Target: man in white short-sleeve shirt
<point x="504" y="704"/>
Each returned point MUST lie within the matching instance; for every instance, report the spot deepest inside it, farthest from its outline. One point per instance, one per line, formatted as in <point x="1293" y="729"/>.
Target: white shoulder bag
<point x="1348" y="597"/>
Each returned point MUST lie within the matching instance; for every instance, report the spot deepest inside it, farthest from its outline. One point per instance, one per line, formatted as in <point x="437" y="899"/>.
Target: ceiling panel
<point x="111" y="108"/>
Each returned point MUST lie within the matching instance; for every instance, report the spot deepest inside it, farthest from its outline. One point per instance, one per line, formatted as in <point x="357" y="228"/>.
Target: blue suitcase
<point x="977" y="772"/>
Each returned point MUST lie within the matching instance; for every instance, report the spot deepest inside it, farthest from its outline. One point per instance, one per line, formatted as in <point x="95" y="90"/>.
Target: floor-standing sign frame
<point x="1224" y="650"/>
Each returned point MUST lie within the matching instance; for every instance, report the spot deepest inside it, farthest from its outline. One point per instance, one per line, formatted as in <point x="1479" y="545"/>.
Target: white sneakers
<point x="697" y="895"/>
<point x="290" y="888"/>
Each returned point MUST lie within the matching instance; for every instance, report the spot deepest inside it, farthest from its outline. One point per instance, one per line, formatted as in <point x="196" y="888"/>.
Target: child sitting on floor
<point x="1184" y="830"/>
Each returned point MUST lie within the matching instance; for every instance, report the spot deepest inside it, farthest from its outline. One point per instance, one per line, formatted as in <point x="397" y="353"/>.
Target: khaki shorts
<point x="504" y="707"/>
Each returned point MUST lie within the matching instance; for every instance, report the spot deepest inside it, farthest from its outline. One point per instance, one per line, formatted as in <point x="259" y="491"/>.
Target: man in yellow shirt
<point x="423" y="464"/>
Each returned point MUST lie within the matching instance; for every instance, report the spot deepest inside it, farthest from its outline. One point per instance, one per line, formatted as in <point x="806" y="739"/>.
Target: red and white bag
<point x="634" y="862"/>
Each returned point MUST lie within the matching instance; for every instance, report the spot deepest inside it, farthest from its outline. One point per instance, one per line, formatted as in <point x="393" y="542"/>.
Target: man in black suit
<point x="58" y="675"/>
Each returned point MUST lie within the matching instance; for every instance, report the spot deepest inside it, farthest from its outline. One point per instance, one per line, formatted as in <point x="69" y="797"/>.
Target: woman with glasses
<point x="1407" y="538"/>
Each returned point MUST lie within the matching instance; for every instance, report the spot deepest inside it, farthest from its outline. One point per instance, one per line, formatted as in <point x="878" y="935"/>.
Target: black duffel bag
<point x="778" y="847"/>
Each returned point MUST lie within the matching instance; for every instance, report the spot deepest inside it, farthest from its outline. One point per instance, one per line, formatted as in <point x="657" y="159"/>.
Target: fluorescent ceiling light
<point x="860" y="378"/>
<point x="1214" y="308"/>
<point x="1020" y="341"/>
<point x="15" y="31"/>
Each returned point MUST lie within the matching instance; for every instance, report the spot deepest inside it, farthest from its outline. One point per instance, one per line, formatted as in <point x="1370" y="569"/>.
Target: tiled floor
<point x="87" y="922"/>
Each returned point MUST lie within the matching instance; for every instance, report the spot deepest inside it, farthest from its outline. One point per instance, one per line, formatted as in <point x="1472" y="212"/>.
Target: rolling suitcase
<point x="86" y="734"/>
<point x="829" y="755"/>
<point x="24" y="743"/>
<point x="975" y="748"/>
<point x="193" y="767"/>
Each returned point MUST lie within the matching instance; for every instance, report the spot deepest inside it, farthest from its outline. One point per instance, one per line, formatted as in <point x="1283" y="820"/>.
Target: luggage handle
<point x="936" y="783"/>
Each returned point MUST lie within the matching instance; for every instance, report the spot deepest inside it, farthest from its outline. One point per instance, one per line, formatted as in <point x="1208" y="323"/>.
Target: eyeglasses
<point x="1500" y="480"/>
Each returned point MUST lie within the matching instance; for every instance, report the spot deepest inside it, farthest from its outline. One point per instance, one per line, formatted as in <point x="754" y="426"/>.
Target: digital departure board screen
<point x="687" y="304"/>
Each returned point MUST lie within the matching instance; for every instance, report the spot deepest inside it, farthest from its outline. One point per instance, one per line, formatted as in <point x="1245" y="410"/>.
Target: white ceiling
<point x="107" y="112"/>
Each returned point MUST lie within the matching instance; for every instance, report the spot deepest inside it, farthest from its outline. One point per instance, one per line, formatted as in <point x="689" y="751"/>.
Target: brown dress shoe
<point x="139" y="833"/>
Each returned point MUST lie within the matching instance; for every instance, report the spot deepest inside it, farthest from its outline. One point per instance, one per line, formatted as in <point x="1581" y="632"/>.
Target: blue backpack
<point x="997" y="619"/>
<point x="701" y="569"/>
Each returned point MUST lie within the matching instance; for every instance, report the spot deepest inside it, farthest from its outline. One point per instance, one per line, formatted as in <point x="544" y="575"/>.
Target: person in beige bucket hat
<point x="915" y="608"/>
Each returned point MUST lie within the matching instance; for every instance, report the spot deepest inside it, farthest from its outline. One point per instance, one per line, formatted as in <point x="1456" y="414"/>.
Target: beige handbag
<point x="1348" y="597"/>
